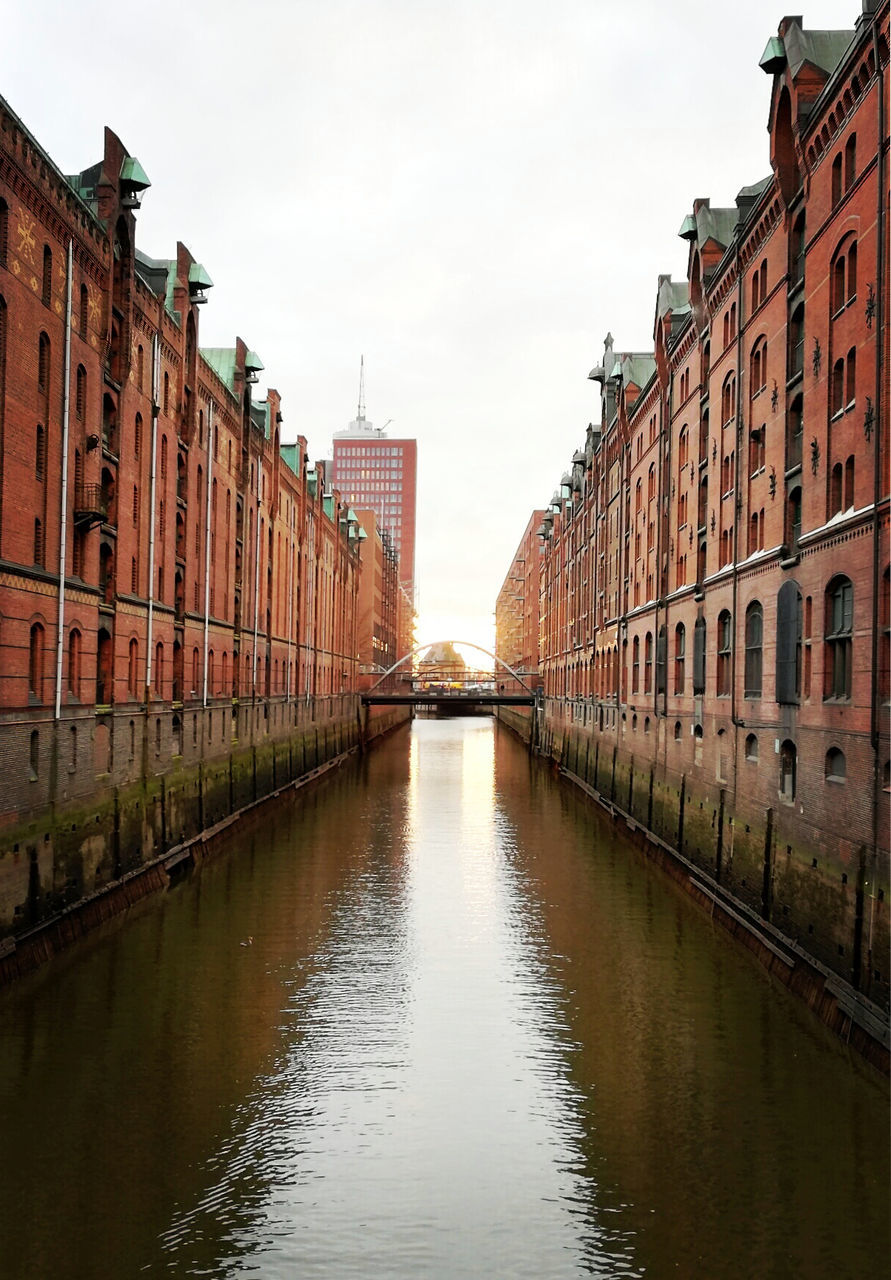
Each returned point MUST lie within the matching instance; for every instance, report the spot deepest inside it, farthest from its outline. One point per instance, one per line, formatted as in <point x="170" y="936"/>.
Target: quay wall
<point x="67" y="867"/>
<point x="815" y="916"/>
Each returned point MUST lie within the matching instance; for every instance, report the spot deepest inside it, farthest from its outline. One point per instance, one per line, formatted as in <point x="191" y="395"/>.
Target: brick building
<point x="517" y="604"/>
<point x="715" y="579"/>
<point x="378" y="601"/>
<point x="380" y="474"/>
<point x="172" y="578"/>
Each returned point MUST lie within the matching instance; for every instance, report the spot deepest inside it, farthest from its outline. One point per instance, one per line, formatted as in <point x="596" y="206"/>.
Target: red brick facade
<point x="172" y="578"/>
<point x="517" y="606"/>
<point x="378" y="605"/>
<point x="715" y="581"/>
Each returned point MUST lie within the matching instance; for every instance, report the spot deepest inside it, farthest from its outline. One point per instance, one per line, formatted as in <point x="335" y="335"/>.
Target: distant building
<point x="378" y="602"/>
<point x="376" y="473"/>
<point x="517" y="606"/>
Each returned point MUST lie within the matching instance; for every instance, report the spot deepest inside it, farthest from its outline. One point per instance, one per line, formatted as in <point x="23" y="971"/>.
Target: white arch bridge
<point x="451" y="685"/>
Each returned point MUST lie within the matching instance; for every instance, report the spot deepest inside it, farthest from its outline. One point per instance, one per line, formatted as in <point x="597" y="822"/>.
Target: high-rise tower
<point x="378" y="473"/>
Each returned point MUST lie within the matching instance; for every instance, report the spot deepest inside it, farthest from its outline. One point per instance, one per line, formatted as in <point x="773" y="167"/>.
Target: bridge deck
<point x="429" y="698"/>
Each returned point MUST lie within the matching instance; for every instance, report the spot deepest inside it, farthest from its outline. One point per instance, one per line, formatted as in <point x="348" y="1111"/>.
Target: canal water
<point x="431" y="1019"/>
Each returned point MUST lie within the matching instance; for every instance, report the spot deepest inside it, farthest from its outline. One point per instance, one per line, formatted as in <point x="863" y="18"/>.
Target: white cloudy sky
<point x="469" y="192"/>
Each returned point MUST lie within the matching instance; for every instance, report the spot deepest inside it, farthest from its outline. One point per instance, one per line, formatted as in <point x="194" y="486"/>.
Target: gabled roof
<point x="798" y="47"/>
<point x="635" y="368"/>
<point x="159" y="275"/>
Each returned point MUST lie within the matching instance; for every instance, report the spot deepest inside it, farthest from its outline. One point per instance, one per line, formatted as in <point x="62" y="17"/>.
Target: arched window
<point x="796" y="341"/>
<point x="836" y="765"/>
<point x="836" y="180"/>
<point x="850" y="161"/>
<point x="758" y="367"/>
<point x="838" y="387"/>
<point x="793" y="520"/>
<point x="680" y="649"/>
<point x="757" y="449"/>
<point x="838" y="638"/>
<point x="661" y="658"/>
<point x="754" y="642"/>
<point x="752" y="751"/>
<point x="728" y="399"/>
<point x="635" y="664"/>
<point x="797" y="251"/>
<point x="648" y="663"/>
<point x="104" y="670"/>
<point x="74" y="652"/>
<point x="651" y="482"/>
<point x="788" y="652"/>
<point x="699" y="656"/>
<point x="794" y="433"/>
<point x="40" y="454"/>
<point x="159" y="669"/>
<point x="788" y="771"/>
<point x="35" y="663"/>
<point x="849" y="483"/>
<point x="683" y="446"/>
<point x="835" y="489"/>
<point x="133" y="669"/>
<point x="80" y="394"/>
<point x="725" y="648"/>
<point x="194" y="672"/>
<point x="43" y="363"/>
<point x="47" y="288"/>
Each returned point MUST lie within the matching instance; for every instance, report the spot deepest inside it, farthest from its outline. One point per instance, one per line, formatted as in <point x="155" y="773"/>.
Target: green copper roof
<point x="133" y="174"/>
<point x="823" y="49"/>
<point x="253" y="363"/>
<point x="222" y="361"/>
<point x="199" y="277"/>
<point x="773" y="58"/>
<point x="290" y="455"/>
<point x="688" y="228"/>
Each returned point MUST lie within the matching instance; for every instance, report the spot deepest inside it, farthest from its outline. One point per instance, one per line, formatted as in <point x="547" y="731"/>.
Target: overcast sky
<point x="470" y="193"/>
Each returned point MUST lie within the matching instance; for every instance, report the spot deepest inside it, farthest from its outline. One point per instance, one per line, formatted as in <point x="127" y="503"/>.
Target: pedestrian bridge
<point x="451" y="684"/>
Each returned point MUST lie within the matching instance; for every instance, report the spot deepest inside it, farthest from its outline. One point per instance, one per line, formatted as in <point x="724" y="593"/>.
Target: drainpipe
<point x="878" y="474"/>
<point x="741" y="382"/>
<point x="257" y="576"/>
<point x="156" y="410"/>
<point x="210" y="427"/>
<point x="63" y="517"/>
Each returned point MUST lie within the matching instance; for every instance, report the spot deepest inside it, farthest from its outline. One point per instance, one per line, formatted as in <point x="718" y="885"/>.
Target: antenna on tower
<point x="361" y="413"/>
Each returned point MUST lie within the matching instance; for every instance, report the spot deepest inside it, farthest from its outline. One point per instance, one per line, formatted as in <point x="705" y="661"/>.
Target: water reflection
<point x="474" y="1036"/>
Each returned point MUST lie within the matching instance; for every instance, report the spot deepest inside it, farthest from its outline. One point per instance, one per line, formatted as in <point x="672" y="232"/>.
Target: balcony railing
<point x="90" y="504"/>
